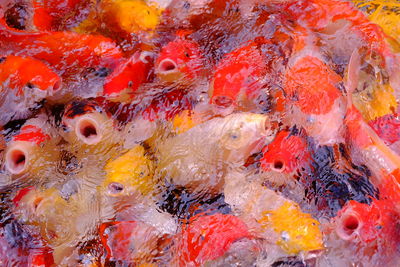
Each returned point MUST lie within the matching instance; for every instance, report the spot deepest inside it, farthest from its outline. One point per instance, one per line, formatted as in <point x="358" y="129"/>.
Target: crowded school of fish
<point x="199" y="133"/>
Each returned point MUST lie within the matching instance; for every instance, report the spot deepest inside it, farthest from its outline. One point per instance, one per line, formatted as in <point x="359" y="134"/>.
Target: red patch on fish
<point x="21" y="193"/>
<point x="367" y="223"/>
<point x="31" y="133"/>
<point x="208" y="237"/>
<point x="240" y="73"/>
<point x="285" y="153"/>
<point x="312" y="85"/>
<point x="67" y="52"/>
<point x="116" y="239"/>
<point x="23" y="72"/>
<point x="180" y="59"/>
<point x="355" y="132"/>
<point x="387" y="127"/>
<point x="48" y="15"/>
<point x="40" y="258"/>
<point x="129" y="75"/>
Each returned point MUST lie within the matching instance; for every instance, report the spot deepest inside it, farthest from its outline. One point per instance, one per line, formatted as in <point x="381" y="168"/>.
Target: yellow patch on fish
<point x="133" y="15"/>
<point x="385" y="13"/>
<point x="183" y="122"/>
<point x="297" y="231"/>
<point x="133" y="170"/>
<point x="375" y="102"/>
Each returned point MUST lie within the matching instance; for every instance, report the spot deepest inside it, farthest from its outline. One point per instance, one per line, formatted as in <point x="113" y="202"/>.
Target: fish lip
<point x="14" y="155"/>
<point x="87" y="129"/>
<point x="345" y="233"/>
<point x="167" y="66"/>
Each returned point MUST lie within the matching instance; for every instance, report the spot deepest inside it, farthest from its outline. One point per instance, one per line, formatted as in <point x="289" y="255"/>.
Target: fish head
<point x="285" y="153"/>
<point x="238" y="77"/>
<point x="179" y="60"/>
<point x="123" y="82"/>
<point x="242" y="134"/>
<point x="130" y="174"/>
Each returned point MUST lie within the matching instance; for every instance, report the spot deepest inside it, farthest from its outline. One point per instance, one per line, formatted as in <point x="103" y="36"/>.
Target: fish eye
<point x="186" y="5"/>
<point x="115" y="188"/>
<point x="30" y="85"/>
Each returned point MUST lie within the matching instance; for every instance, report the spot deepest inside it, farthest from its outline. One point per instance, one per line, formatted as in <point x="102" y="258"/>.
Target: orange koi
<point x="50" y="14"/>
<point x="67" y="52"/>
<point x="20" y="72"/>
<point x="208" y="237"/>
<point x="180" y="61"/>
<point x="312" y="85"/>
<point x="286" y="153"/>
<point x="238" y="76"/>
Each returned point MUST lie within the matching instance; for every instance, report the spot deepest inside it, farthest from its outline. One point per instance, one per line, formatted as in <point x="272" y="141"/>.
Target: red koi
<point x="67" y="52"/>
<point x="286" y="153"/>
<point x="20" y="72"/>
<point x="127" y="77"/>
<point x="49" y="15"/>
<point x="180" y="61"/>
<point x="208" y="237"/>
<point x="239" y="75"/>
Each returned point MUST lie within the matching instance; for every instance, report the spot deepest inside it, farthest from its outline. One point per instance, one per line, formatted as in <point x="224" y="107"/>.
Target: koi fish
<point x="270" y="215"/>
<point x="129" y="174"/>
<point x="61" y="223"/>
<point x="238" y="77"/>
<point x="86" y="124"/>
<point x="121" y="84"/>
<point x="31" y="150"/>
<point x="188" y="159"/>
<point x="317" y="15"/>
<point x="50" y="15"/>
<point x="132" y="241"/>
<point x="388" y="129"/>
<point x="367" y="145"/>
<point x="24" y="82"/>
<point x="67" y="52"/>
<point x="131" y="16"/>
<point x="286" y="153"/>
<point x="318" y="104"/>
<point x="208" y="237"/>
<point x="366" y="224"/>
<point x="180" y="61"/>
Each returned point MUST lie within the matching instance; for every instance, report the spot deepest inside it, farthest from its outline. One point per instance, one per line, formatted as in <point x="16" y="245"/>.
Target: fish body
<point x="315" y="100"/>
<point x="198" y="156"/>
<point x="208" y="237"/>
<point x="67" y="52"/>
<point x="49" y="15"/>
<point x="180" y="61"/>
<point x="24" y="83"/>
<point x="132" y="241"/>
<point x="238" y="77"/>
<point x="270" y="215"/>
<point x="130" y="16"/>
